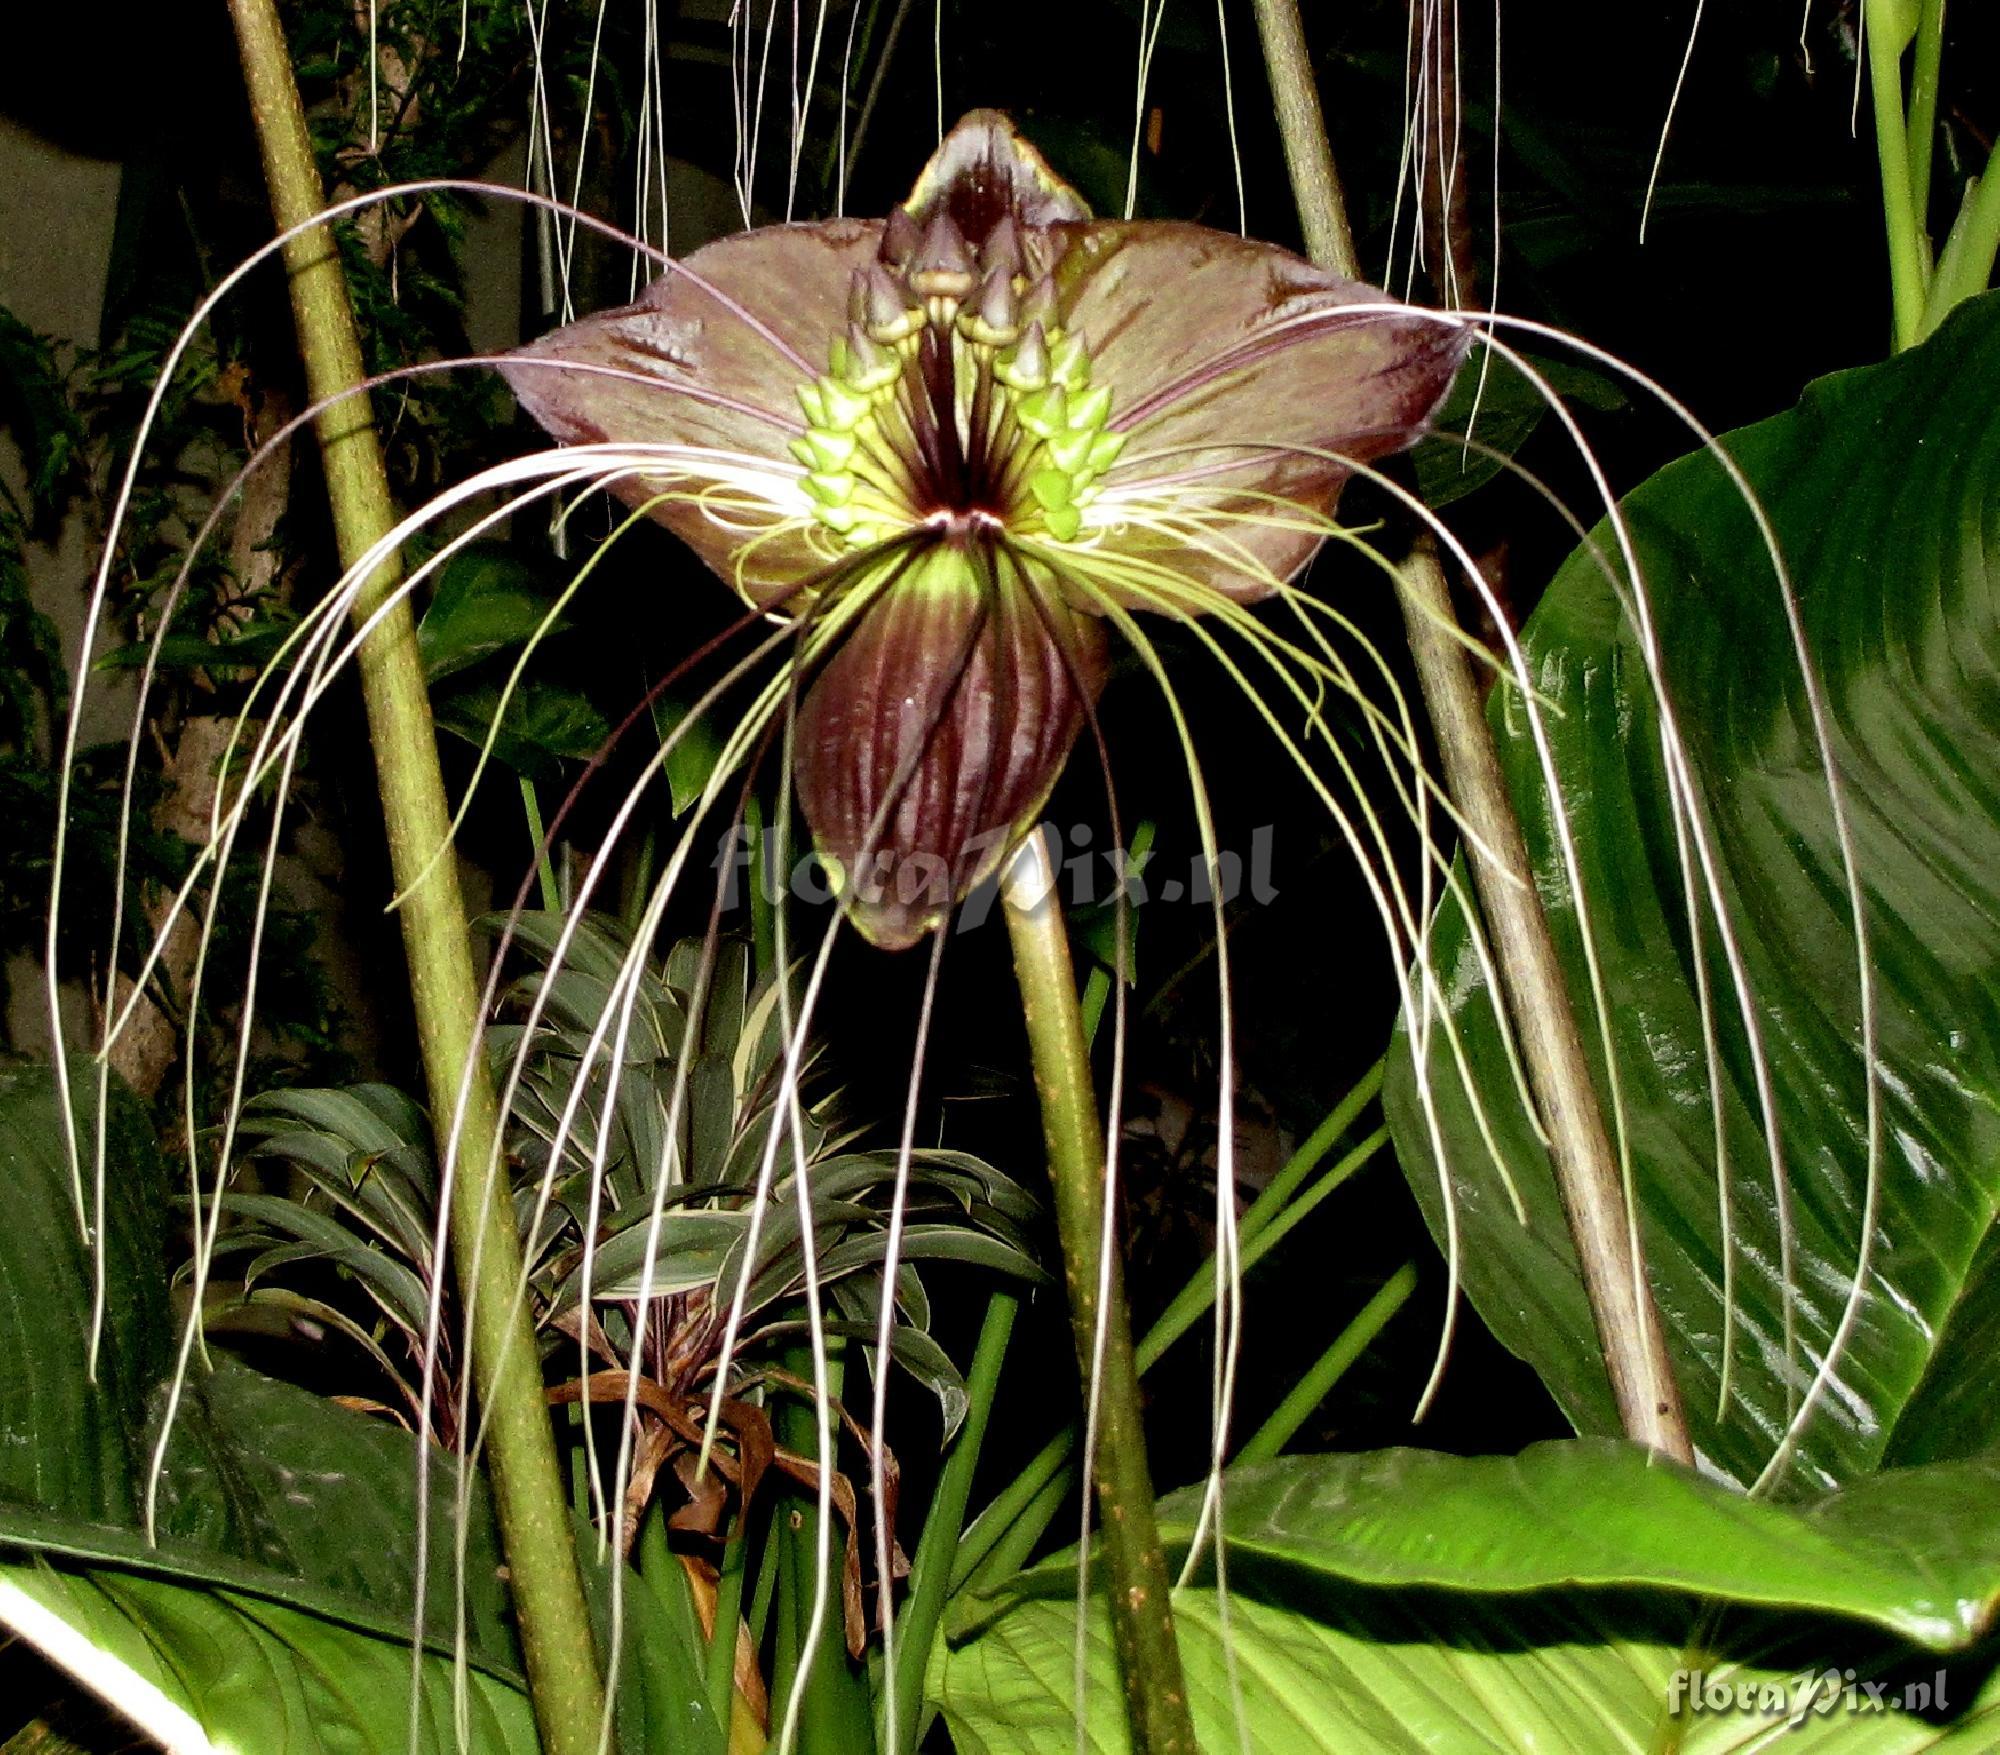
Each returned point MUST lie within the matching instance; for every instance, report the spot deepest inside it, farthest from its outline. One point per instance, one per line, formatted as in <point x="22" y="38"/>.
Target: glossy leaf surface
<point x="1406" y="1600"/>
<point x="1883" y="487"/>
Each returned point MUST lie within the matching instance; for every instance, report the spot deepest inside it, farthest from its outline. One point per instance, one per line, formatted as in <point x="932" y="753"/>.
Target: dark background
<point x="1762" y="268"/>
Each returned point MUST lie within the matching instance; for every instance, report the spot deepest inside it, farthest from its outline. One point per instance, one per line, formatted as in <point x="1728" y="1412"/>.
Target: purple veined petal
<point x="947" y="714"/>
<point x="683" y="366"/>
<point x="1234" y="374"/>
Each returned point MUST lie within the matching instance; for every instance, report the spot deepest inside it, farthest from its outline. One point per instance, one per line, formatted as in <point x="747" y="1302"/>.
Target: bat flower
<point x="953" y="443"/>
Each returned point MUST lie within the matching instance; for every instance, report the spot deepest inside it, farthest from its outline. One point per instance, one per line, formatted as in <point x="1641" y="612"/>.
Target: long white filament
<point x="320" y="653"/>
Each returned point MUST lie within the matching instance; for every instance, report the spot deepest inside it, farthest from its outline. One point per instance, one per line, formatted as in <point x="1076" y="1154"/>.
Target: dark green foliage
<point x="1880" y="487"/>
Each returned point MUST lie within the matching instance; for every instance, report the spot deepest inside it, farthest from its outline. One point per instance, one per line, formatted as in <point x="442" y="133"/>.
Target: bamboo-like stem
<point x="1142" y="1619"/>
<point x="527" y="1484"/>
<point x="1587" y="1175"/>
<point x="1593" y="1195"/>
<point x="1308" y="149"/>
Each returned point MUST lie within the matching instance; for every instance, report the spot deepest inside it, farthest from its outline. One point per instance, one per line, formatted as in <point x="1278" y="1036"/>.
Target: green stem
<point x="1014" y="1518"/>
<point x="545" y="873"/>
<point x="1199" y="1293"/>
<point x="1097" y="984"/>
<point x="930" y="1572"/>
<point x="1922" y="129"/>
<point x="1142" y="1622"/>
<point x="1005" y="1533"/>
<point x="1315" y="1386"/>
<point x="1587" y="1172"/>
<point x="486" y="1249"/>
<point x="1305" y="1159"/>
<point x="1966" y="264"/>
<point x="721" y="1676"/>
<point x="765" y="1591"/>
<point x="834" y="1716"/>
<point x="1000" y="1539"/>
<point x="1892" y="152"/>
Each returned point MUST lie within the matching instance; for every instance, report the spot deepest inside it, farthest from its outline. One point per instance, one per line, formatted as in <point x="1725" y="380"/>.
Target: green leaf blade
<point x="1883" y="487"/>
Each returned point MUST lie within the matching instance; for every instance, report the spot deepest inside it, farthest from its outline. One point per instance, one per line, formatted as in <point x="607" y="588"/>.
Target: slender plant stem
<point x="721" y="1677"/>
<point x="527" y="1484"/>
<point x="1097" y="984"/>
<point x="1000" y="1541"/>
<point x="930" y="1572"/>
<point x="545" y="873"/>
<point x="1892" y="152"/>
<point x="1308" y="149"/>
<point x="1314" y="1387"/>
<point x="834" y="1716"/>
<point x="1142" y="1620"/>
<point x="1002" y="1536"/>
<point x="1306" y="1157"/>
<point x="1922" y="129"/>
<point x="1198" y="1294"/>
<point x="1628" y="1324"/>
<point x="1015" y="1517"/>
<point x="765" y="1590"/>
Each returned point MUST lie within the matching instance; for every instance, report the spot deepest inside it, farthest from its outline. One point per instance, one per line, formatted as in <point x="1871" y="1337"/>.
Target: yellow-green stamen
<point x="955" y="399"/>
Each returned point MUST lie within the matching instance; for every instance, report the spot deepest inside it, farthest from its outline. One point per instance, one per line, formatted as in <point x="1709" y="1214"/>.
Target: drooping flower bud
<point x="927" y="744"/>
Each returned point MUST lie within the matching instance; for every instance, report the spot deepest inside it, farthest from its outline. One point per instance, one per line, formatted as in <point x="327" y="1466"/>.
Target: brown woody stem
<point x="1142" y="1617"/>
<point x="1593" y="1195"/>
<point x="527" y="1485"/>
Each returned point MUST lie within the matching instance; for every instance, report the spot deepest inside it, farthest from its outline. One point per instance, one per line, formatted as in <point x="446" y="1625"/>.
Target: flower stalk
<point x="1587" y="1174"/>
<point x="1142" y="1620"/>
<point x="527" y="1484"/>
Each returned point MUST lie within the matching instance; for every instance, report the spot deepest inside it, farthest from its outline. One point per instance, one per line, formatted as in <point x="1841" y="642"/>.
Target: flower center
<point x="955" y="400"/>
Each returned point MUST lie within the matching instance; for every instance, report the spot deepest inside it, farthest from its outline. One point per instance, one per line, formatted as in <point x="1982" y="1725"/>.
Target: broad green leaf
<point x="252" y="1674"/>
<point x="1915" y="1551"/>
<point x="486" y="599"/>
<point x="1883" y="487"/>
<point x="69" y="1445"/>
<point x="1955" y="1411"/>
<point x="543" y="722"/>
<point x="1424" y="1672"/>
<point x="271" y="1474"/>
<point x="267" y="1489"/>
<point x="1406" y="1600"/>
